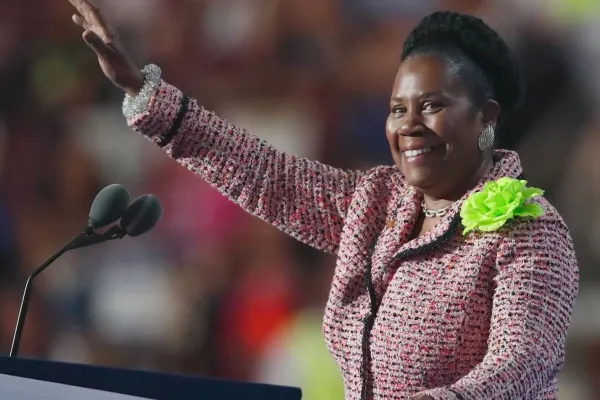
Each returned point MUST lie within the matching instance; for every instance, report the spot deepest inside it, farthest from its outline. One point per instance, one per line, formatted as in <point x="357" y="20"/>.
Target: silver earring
<point x="486" y="139"/>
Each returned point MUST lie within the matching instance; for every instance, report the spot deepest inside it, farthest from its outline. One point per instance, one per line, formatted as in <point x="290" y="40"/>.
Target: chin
<point x="421" y="186"/>
<point x="419" y="176"/>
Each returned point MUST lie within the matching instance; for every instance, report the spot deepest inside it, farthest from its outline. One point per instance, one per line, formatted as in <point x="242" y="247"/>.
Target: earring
<point x="486" y="139"/>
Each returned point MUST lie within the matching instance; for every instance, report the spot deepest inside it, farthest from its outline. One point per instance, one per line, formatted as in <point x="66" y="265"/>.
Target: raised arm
<point x="305" y="199"/>
<point x="536" y="286"/>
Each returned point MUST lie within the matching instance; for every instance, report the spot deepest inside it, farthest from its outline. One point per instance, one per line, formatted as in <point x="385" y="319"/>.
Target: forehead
<point x="425" y="74"/>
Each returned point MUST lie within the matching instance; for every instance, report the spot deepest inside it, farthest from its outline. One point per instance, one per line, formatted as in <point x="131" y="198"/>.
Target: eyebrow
<point x="422" y="95"/>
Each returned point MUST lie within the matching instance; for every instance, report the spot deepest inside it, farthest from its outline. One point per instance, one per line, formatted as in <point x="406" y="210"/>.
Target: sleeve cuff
<point x="161" y="113"/>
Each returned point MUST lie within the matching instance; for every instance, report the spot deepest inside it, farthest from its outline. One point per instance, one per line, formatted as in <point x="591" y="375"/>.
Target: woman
<point x="453" y="279"/>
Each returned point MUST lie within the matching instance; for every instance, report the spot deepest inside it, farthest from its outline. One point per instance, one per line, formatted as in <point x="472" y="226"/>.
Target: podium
<point x="29" y="378"/>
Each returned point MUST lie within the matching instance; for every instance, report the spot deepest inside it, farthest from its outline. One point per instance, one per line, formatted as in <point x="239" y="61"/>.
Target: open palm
<point x="103" y="39"/>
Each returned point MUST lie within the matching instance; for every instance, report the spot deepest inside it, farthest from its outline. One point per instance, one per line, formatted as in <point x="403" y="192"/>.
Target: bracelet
<point x="133" y="106"/>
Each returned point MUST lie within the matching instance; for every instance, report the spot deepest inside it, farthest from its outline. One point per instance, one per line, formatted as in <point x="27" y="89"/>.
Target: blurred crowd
<point x="212" y="291"/>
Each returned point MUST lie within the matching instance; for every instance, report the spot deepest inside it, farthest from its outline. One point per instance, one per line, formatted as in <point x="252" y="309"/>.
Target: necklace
<point x="434" y="213"/>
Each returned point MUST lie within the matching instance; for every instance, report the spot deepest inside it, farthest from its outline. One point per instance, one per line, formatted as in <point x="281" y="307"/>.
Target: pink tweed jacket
<point x="481" y="316"/>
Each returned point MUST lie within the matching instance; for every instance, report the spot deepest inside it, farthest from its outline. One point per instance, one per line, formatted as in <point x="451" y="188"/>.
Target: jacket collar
<point x="506" y="164"/>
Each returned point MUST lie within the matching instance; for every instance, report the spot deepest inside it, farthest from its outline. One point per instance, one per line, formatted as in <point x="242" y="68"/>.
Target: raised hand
<point x="103" y="39"/>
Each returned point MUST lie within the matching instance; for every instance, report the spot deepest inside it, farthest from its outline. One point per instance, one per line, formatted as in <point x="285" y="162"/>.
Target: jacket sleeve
<point x="536" y="286"/>
<point x="305" y="199"/>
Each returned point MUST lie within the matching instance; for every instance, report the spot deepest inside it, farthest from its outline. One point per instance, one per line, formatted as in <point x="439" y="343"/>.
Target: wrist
<point x="140" y="93"/>
<point x="135" y="84"/>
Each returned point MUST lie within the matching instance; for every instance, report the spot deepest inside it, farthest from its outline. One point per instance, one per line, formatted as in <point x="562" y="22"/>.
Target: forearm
<point x="305" y="199"/>
<point x="518" y="368"/>
<point x="507" y="377"/>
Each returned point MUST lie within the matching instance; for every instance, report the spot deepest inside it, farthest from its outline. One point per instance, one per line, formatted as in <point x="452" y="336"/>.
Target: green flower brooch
<point x="499" y="201"/>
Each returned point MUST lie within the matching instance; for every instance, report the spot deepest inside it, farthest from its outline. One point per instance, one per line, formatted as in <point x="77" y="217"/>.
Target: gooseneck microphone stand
<point x="87" y="238"/>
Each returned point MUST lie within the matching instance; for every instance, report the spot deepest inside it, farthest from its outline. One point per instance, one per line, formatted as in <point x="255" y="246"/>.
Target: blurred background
<point x="212" y="291"/>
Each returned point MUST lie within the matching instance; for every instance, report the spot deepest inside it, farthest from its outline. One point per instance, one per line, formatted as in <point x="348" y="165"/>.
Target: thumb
<point x="95" y="42"/>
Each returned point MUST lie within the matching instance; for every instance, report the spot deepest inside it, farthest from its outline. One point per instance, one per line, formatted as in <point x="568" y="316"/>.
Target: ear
<point x="489" y="113"/>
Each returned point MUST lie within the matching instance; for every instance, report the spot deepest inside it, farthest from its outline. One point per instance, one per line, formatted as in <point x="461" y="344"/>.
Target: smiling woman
<point x="455" y="85"/>
<point x="418" y="308"/>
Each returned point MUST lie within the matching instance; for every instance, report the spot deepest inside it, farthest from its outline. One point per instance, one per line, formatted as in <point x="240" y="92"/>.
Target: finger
<point x="85" y="7"/>
<point x="96" y="43"/>
<point x="89" y="12"/>
<point x="79" y="20"/>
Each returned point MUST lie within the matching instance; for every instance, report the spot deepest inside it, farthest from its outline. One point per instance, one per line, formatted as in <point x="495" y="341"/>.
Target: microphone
<point x="142" y="215"/>
<point x="109" y="205"/>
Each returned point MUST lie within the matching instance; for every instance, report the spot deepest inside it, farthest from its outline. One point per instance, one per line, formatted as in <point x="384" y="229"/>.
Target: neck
<point x="436" y="202"/>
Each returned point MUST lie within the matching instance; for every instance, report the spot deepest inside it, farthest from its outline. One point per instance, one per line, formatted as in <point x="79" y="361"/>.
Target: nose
<point x="410" y="125"/>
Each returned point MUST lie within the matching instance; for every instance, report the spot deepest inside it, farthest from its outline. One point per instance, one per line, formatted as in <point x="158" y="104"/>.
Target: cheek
<point x="444" y="127"/>
<point x="391" y="126"/>
<point x="450" y="128"/>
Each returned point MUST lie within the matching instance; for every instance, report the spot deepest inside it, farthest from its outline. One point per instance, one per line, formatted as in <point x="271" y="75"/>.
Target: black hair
<point x="475" y="51"/>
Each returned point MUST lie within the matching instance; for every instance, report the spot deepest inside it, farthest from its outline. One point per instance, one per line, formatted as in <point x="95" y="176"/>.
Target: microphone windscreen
<point x="109" y="205"/>
<point x="142" y="215"/>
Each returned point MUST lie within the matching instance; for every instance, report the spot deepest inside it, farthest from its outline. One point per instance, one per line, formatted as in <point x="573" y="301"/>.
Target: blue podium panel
<point x="143" y="384"/>
<point x="15" y="387"/>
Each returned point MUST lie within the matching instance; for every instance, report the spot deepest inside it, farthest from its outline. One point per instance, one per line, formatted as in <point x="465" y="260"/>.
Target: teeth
<point x="414" y="153"/>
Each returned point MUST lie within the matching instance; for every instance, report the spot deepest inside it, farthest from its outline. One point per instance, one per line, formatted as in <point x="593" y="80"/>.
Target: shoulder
<point x="388" y="175"/>
<point x="550" y="224"/>
<point x="377" y="184"/>
<point x="536" y="260"/>
<point x="544" y="240"/>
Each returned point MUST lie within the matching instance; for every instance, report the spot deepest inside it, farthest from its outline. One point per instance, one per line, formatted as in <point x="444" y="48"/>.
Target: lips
<point x="417" y="152"/>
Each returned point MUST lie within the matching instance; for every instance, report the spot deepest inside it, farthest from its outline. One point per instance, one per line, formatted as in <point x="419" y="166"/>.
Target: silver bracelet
<point x="133" y="106"/>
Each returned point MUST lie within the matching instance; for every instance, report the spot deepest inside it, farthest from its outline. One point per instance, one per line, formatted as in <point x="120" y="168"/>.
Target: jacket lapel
<point x="506" y="164"/>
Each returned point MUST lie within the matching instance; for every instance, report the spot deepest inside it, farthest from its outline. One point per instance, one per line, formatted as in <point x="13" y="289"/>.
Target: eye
<point x="398" y="111"/>
<point x="432" y="106"/>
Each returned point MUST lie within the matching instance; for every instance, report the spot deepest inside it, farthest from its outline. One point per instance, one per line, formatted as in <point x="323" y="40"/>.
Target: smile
<point x="417" y="152"/>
